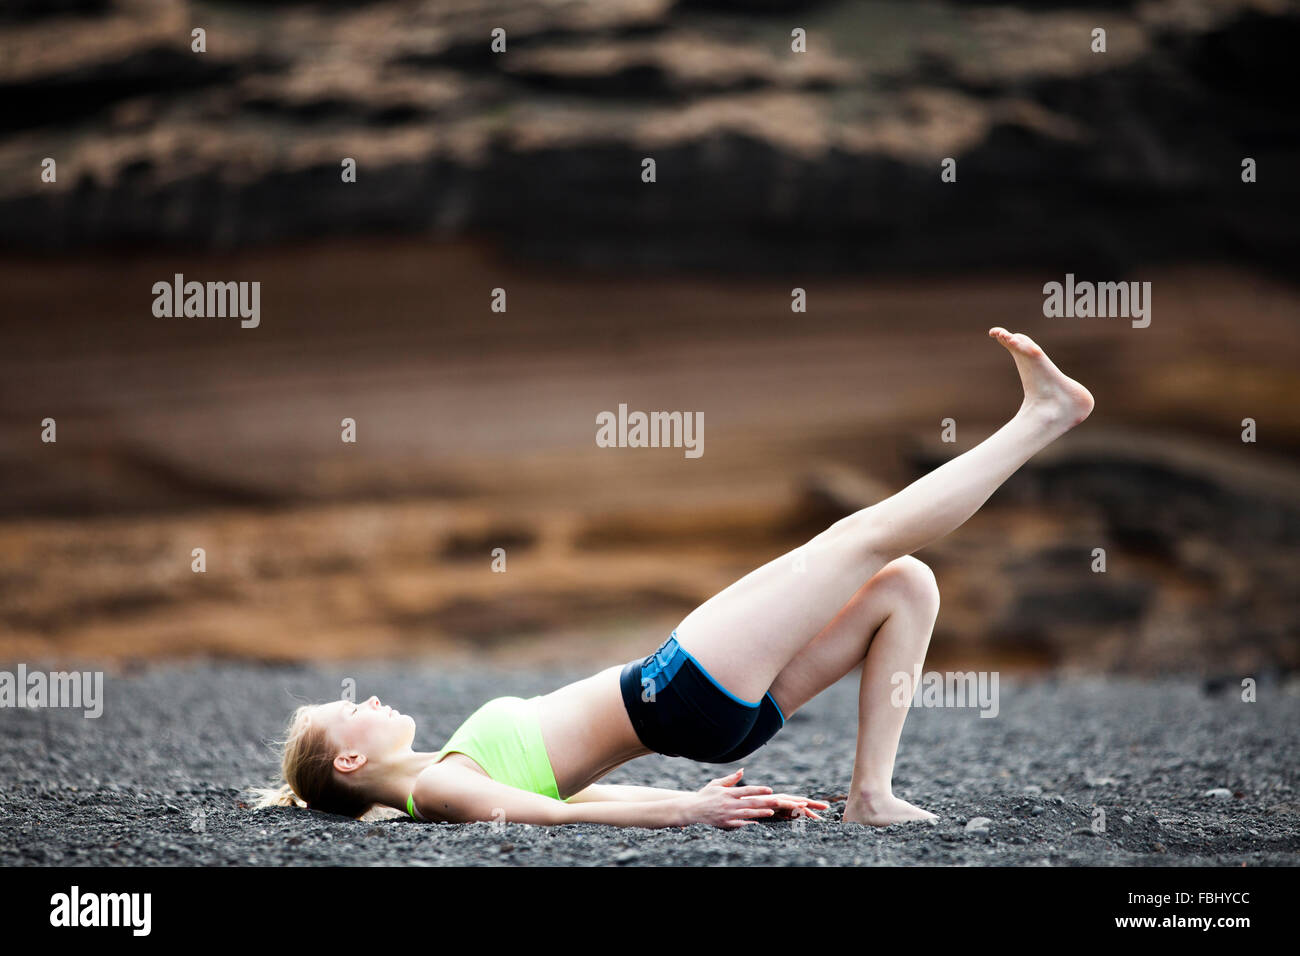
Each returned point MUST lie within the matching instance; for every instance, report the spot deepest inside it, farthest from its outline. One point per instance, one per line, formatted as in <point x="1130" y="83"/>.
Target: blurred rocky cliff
<point x="477" y="434"/>
<point x="823" y="159"/>
<point x="476" y="427"/>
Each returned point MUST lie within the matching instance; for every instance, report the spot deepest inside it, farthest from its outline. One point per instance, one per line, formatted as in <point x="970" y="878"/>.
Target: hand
<point x="723" y="804"/>
<point x="789" y="806"/>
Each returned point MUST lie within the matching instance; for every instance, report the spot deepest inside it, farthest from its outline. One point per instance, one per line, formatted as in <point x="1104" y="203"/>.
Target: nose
<point x="373" y="700"/>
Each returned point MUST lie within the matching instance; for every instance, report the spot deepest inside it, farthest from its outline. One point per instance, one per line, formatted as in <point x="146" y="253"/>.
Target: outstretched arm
<point x="604" y="792"/>
<point x="457" y="795"/>
<point x="785" y="804"/>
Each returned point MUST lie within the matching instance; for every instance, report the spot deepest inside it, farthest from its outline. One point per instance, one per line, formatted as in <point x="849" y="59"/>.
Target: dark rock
<point x="826" y="160"/>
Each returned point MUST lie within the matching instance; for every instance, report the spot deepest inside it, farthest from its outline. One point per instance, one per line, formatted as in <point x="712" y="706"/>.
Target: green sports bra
<point x="505" y="739"/>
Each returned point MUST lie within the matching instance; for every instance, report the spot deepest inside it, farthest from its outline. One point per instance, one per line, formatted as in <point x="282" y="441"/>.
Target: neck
<point x="396" y="780"/>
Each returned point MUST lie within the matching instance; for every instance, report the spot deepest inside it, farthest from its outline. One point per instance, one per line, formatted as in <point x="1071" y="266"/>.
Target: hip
<point x="679" y="710"/>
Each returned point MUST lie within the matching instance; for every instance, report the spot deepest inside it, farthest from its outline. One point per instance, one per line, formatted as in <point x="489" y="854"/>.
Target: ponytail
<point x="281" y="796"/>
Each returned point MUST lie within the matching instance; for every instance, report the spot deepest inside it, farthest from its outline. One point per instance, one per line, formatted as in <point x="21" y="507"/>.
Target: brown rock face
<point x="774" y="169"/>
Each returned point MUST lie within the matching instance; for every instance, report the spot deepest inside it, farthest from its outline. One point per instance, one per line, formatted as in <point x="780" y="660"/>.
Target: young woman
<point x="726" y="680"/>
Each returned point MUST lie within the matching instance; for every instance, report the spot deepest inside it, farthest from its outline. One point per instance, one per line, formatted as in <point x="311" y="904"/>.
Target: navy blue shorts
<point x="679" y="710"/>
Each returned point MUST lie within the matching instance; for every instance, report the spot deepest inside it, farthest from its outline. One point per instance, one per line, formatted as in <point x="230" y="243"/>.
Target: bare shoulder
<point x="439" y="779"/>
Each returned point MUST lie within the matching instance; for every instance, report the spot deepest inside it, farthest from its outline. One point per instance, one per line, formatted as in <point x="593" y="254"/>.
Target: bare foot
<point x="882" y="811"/>
<point x="1049" y="392"/>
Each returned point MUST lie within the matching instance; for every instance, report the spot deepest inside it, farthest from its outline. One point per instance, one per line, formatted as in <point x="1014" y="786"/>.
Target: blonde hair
<point x="307" y="765"/>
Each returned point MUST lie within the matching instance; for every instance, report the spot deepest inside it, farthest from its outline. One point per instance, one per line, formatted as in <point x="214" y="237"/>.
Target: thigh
<point x="748" y="633"/>
<point x="842" y="645"/>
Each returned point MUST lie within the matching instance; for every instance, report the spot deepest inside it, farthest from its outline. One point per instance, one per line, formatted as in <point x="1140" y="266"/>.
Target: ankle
<point x="873" y="796"/>
<point x="1046" y="416"/>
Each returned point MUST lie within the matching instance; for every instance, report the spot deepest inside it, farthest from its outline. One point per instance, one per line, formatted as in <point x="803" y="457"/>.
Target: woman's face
<point x="368" y="728"/>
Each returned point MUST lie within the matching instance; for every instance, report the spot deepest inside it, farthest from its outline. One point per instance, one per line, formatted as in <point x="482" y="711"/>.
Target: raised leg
<point x="746" y="634"/>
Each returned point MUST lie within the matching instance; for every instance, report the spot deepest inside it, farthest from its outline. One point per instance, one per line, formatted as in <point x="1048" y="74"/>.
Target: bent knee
<point x="913" y="580"/>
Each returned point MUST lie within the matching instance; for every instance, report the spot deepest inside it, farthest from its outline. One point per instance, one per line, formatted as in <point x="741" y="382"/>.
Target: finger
<point x="776" y="800"/>
<point x="762" y="802"/>
<point x="743" y="791"/>
<point x="811" y="805"/>
<point x="807" y="800"/>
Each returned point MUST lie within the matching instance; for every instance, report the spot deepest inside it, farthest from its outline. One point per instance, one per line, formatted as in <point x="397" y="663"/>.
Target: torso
<point x="586" y="731"/>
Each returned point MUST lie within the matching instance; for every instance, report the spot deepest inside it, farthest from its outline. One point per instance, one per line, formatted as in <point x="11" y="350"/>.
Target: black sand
<point x="157" y="779"/>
